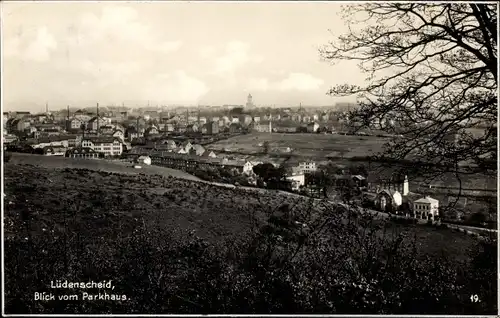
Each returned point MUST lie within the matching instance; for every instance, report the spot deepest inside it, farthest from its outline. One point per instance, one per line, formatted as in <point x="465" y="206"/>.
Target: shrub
<point x="295" y="260"/>
<point x="6" y="156"/>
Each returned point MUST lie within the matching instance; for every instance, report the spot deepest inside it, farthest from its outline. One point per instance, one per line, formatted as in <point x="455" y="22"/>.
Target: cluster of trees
<point x="20" y="147"/>
<point x="221" y="175"/>
<point x="443" y="82"/>
<point x="272" y="177"/>
<point x="332" y="176"/>
<point x="295" y="262"/>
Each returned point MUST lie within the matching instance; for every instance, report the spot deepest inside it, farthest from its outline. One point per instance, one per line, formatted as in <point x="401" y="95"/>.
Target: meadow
<point x="312" y="146"/>
<point x="343" y="149"/>
<point x="179" y="246"/>
<point x="95" y="164"/>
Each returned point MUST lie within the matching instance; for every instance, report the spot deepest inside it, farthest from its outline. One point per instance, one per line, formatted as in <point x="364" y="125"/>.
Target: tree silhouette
<point x="432" y="72"/>
<point x="265" y="147"/>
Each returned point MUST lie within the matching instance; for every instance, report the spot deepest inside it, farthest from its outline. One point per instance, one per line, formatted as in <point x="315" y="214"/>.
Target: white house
<point x="209" y="154"/>
<point x="75" y="123"/>
<point x="109" y="146"/>
<point x="297" y="180"/>
<point x="248" y="167"/>
<point x="95" y="122"/>
<point x="307" y="166"/>
<point x="144" y="160"/>
<point x="198" y="149"/>
<point x="312" y="127"/>
<point x="54" y="151"/>
<point x="82" y="115"/>
<point x="119" y="134"/>
<point x="426" y="208"/>
<point x="47" y="142"/>
<point x="185" y="146"/>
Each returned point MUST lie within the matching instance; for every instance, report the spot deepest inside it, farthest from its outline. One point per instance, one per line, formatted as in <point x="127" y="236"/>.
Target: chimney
<point x="97" y="119"/>
<point x="46" y="107"/>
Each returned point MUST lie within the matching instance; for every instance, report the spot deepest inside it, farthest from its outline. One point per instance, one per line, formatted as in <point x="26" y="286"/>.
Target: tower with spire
<point x="250" y="104"/>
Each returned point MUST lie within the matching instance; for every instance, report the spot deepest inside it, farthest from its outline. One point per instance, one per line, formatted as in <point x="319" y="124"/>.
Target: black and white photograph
<point x="249" y="158"/>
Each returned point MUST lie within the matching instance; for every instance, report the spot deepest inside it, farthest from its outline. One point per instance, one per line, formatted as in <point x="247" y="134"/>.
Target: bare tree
<point x="432" y="78"/>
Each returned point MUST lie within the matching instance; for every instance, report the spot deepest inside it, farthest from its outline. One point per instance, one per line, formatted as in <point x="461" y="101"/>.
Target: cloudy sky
<point x="168" y="53"/>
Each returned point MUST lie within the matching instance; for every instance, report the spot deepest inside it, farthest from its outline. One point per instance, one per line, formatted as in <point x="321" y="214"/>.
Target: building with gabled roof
<point x="54" y="150"/>
<point x="82" y="152"/>
<point x="96" y="122"/>
<point x="108" y="146"/>
<point x="426" y="208"/>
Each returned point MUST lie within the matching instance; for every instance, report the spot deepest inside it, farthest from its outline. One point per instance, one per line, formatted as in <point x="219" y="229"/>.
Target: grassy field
<point x="91" y="224"/>
<point x="312" y="146"/>
<point x="102" y="198"/>
<point x="95" y="164"/>
<point x="318" y="146"/>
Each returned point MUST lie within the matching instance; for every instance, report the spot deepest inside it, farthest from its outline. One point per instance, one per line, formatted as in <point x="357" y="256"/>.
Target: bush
<point x="293" y="261"/>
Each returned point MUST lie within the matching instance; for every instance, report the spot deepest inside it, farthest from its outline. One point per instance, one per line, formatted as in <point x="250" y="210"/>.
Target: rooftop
<point x="427" y="199"/>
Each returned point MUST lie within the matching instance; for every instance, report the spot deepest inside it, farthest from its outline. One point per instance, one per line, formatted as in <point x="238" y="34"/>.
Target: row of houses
<point x="191" y="160"/>
<point x="58" y="145"/>
<point x="393" y="194"/>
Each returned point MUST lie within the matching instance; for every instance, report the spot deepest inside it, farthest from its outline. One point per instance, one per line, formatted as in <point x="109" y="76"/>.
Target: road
<point x="468" y="229"/>
<point x="61" y="162"/>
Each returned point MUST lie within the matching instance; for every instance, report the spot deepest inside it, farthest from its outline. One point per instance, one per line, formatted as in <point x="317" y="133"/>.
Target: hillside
<point x="82" y="225"/>
<point x="98" y="165"/>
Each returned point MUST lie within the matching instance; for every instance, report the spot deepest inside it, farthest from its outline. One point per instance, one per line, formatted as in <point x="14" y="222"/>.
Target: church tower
<point x="406" y="186"/>
<point x="249" y="101"/>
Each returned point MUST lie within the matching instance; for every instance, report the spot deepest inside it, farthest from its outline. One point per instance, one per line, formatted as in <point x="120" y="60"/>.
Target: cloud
<point x="176" y="87"/>
<point x="294" y="81"/>
<point x="167" y="47"/>
<point x="31" y="46"/>
<point x="121" y="24"/>
<point x="301" y="82"/>
<point x="107" y="73"/>
<point x="236" y="55"/>
<point x="11" y="47"/>
<point x="207" y="52"/>
<point x="260" y="84"/>
<point x="40" y="49"/>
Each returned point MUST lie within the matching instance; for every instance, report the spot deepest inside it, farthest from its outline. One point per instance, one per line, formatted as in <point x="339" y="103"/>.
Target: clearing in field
<point x="87" y="224"/>
<point x="95" y="164"/>
<point x="313" y="146"/>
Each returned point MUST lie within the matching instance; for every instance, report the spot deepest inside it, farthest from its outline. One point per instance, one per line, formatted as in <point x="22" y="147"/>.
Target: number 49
<point x="474" y="298"/>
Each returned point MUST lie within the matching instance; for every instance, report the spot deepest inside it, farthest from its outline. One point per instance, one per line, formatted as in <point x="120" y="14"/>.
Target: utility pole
<point x="68" y="123"/>
<point x="137" y="126"/>
<point x="97" y="119"/>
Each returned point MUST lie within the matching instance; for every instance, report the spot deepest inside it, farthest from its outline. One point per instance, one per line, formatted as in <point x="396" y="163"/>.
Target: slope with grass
<point x="96" y="164"/>
<point x="195" y="242"/>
